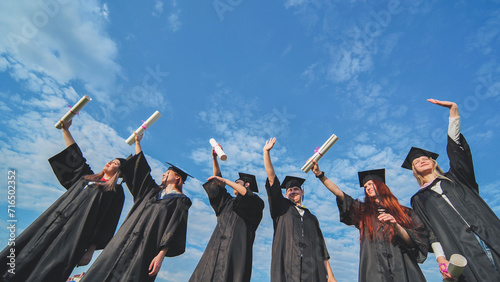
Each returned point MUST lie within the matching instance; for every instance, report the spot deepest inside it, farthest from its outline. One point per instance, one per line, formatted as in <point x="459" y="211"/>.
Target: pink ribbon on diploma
<point x="72" y="111"/>
<point x="144" y="125"/>
<point x="317" y="151"/>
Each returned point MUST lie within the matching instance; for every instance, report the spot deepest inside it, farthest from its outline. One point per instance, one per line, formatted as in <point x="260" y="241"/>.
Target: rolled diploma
<point x="321" y="152"/>
<point x="457" y="264"/>
<point x="154" y="117"/>
<point x="74" y="110"/>
<point x="218" y="149"/>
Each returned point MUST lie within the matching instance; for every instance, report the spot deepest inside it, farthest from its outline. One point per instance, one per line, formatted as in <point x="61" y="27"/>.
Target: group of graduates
<point x="447" y="217"/>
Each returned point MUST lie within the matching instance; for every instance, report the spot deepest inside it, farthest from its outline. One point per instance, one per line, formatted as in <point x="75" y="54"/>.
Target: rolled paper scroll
<point x="457" y="264"/>
<point x="320" y="152"/>
<point x="218" y="149"/>
<point x="73" y="111"/>
<point x="154" y="117"/>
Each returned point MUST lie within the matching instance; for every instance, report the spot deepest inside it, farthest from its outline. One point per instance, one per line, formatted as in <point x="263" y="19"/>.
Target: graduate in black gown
<point x="228" y="255"/>
<point x="299" y="251"/>
<point x="81" y="221"/>
<point x="393" y="240"/>
<point x="457" y="218"/>
<point x="155" y="227"/>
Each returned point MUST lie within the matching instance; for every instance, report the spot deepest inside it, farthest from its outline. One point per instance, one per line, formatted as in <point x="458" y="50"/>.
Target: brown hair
<point x="365" y="213"/>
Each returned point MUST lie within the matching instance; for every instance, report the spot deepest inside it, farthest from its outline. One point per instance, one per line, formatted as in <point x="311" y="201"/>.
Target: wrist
<point x="321" y="175"/>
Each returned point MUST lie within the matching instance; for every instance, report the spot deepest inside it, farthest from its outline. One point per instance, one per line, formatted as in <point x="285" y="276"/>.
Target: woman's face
<point x="170" y="177"/>
<point x="370" y="188"/>
<point x="111" y="167"/>
<point x="423" y="165"/>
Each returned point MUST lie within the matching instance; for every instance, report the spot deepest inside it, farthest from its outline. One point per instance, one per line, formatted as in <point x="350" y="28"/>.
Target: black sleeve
<point x="174" y="236"/>
<point x="70" y="165"/>
<point x="217" y="195"/>
<point x="275" y="198"/>
<point x="461" y="166"/>
<point x="419" y="236"/>
<point x="346" y="207"/>
<point x="326" y="255"/>
<point x="249" y="207"/>
<point x="137" y="175"/>
<point x="416" y="205"/>
<point x="110" y="211"/>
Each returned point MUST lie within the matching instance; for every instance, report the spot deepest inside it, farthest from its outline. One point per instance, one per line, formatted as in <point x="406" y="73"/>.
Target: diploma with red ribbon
<point x="320" y="152"/>
<point x="145" y="125"/>
<point x="73" y="111"/>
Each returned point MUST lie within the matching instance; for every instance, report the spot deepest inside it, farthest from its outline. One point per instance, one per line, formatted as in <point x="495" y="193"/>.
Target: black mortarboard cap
<point x="365" y="176"/>
<point x="292" y="181"/>
<point x="417" y="153"/>
<point x="180" y="171"/>
<point x="123" y="161"/>
<point x="250" y="179"/>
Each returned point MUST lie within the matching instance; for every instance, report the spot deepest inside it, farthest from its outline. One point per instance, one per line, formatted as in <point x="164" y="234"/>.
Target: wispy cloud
<point x="158" y="8"/>
<point x="34" y="44"/>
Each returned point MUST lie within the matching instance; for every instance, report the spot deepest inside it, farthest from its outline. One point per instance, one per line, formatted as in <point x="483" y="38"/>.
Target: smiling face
<point x="423" y="165"/>
<point x="294" y="194"/>
<point x="370" y="188"/>
<point x="111" y="167"/>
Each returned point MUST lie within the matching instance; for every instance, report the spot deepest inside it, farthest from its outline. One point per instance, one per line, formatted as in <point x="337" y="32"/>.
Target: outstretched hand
<point x="447" y="104"/>
<point x="269" y="144"/>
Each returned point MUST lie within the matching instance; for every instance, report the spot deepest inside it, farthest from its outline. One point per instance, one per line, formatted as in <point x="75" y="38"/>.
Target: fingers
<point x="152" y="268"/>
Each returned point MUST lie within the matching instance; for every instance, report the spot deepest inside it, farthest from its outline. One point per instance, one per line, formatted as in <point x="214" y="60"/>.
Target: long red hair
<point x="366" y="214"/>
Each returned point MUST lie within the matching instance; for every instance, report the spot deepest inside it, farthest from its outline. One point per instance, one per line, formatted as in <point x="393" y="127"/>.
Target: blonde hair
<point x="436" y="171"/>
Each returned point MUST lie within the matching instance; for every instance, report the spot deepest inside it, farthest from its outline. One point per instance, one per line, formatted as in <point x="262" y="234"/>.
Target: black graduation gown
<point x="54" y="243"/>
<point x="295" y="236"/>
<point x="151" y="225"/>
<point x="380" y="260"/>
<point x="228" y="255"/>
<point x="448" y="228"/>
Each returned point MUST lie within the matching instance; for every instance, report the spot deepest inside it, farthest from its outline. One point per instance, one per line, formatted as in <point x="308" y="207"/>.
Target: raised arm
<point x="68" y="138"/>
<point x="327" y="182"/>
<point x="215" y="163"/>
<point x="267" y="160"/>
<point x="138" y="138"/>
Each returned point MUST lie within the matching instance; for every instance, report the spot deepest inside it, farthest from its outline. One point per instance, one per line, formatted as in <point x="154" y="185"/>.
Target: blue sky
<point x="241" y="72"/>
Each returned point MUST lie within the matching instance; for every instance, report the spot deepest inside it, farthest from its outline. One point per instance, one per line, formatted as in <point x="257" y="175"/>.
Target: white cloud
<point x="64" y="41"/>
<point x="158" y="9"/>
<point x="294" y="3"/>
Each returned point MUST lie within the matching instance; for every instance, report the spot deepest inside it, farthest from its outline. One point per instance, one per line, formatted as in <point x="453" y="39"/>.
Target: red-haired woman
<point x="393" y="239"/>
<point x="81" y="221"/>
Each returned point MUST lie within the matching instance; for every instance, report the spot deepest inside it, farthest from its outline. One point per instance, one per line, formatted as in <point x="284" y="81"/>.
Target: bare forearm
<point x="269" y="167"/>
<point x="68" y="138"/>
<point x="238" y="187"/>
<point x="329" y="271"/>
<point x="332" y="187"/>
<point x="215" y="166"/>
<point x="138" y="147"/>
